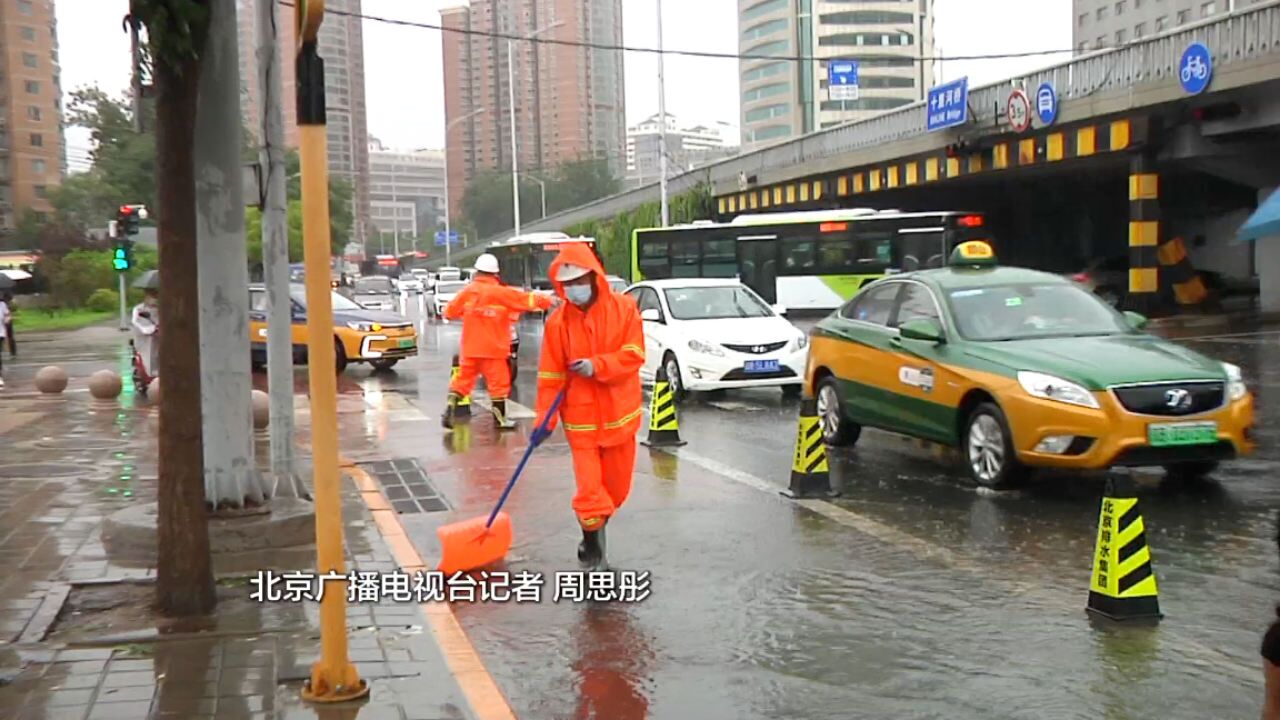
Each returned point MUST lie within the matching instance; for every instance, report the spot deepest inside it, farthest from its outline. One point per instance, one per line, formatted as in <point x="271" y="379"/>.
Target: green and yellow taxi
<point x="378" y="337"/>
<point x="1020" y="369"/>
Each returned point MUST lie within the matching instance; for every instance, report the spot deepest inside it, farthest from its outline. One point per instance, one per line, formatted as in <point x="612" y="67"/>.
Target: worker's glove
<point x="583" y="367"/>
<point x="539" y="435"/>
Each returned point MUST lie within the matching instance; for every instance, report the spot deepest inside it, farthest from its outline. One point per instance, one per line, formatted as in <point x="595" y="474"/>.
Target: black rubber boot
<point x="446" y="420"/>
<point x="591" y="551"/>
<point x="500" y="415"/>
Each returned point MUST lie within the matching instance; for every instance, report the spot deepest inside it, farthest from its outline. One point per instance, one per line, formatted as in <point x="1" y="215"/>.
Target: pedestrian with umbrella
<point x="146" y="323"/>
<point x="6" y="318"/>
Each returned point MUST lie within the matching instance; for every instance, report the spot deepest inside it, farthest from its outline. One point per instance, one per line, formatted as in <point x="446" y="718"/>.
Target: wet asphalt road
<point x="911" y="596"/>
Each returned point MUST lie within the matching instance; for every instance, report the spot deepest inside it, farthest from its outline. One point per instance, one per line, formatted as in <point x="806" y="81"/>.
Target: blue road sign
<point x="453" y="238"/>
<point x="1046" y="104"/>
<point x="948" y="104"/>
<point x="842" y="79"/>
<point x="1195" y="69"/>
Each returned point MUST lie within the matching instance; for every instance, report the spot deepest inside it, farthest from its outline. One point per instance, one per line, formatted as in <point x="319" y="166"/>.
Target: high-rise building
<point x="568" y="98"/>
<point x="1101" y="24"/>
<point x="406" y="193"/>
<point x="688" y="147"/>
<point x="341" y="44"/>
<point x="31" y="128"/>
<point x="781" y="98"/>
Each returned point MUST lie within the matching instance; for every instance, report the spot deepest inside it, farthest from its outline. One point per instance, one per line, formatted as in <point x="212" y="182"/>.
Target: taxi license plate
<point x="1175" y="434"/>
<point x="405" y="343"/>
<point x="761" y="366"/>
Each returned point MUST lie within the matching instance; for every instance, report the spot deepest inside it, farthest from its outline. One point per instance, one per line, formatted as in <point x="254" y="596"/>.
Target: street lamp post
<point x="511" y="100"/>
<point x="542" y="186"/>
<point x="468" y="116"/>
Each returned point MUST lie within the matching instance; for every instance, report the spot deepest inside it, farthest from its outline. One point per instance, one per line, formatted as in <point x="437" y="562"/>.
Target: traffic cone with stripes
<point x="463" y="407"/>
<point x="1123" y="586"/>
<point x="664" y="426"/>
<point x="810" y="474"/>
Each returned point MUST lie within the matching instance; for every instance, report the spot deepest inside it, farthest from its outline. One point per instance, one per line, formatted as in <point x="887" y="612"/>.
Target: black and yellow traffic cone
<point x="810" y="473"/>
<point x="664" y="426"/>
<point x="463" y="407"/>
<point x="1123" y="585"/>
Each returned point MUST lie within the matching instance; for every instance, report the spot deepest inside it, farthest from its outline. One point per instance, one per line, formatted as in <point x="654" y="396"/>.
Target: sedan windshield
<point x="1020" y="312"/>
<point x="373" y="285"/>
<point x="449" y="288"/>
<point x="709" y="303"/>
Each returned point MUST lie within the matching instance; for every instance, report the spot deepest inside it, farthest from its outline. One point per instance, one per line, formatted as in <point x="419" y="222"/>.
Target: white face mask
<point x="578" y="294"/>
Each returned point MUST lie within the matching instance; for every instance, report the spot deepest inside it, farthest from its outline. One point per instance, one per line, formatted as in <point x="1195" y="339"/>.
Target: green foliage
<point x="56" y="319"/>
<point x="103" y="300"/>
<point x="74" y="278"/>
<point x="487" y="203"/>
<point x="613" y="235"/>
<point x="176" y="29"/>
<point x="124" y="161"/>
<point x="341" y="219"/>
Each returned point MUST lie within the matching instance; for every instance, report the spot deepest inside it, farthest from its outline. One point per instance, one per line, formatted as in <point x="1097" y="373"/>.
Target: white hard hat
<point x="569" y="271"/>
<point x="486" y="263"/>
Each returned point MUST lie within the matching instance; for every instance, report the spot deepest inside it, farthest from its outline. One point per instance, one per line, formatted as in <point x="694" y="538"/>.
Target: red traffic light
<point x="126" y="210"/>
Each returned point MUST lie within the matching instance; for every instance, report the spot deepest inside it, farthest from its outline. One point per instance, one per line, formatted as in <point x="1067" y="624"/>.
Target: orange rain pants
<point x="603" y="474"/>
<point x="496" y="372"/>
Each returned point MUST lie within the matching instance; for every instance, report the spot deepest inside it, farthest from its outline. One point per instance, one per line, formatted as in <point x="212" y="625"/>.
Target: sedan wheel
<point x="988" y="449"/>
<point x="836" y="430"/>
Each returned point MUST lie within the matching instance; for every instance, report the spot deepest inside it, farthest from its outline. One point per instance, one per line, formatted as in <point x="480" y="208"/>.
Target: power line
<point x="684" y="53"/>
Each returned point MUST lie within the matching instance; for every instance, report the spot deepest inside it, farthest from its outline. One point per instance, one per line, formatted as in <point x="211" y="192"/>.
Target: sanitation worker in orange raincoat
<point x="594" y="343"/>
<point x="486" y="306"/>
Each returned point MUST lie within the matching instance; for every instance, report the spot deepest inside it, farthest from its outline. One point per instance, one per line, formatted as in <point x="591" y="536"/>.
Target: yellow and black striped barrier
<point x="463" y="408"/>
<point x="1144" y="233"/>
<point x="1123" y="585"/>
<point x="664" y="425"/>
<point x="810" y="473"/>
<point x="1188" y="287"/>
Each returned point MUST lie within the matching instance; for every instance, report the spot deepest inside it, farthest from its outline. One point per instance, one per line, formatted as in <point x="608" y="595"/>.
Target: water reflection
<point x="613" y="665"/>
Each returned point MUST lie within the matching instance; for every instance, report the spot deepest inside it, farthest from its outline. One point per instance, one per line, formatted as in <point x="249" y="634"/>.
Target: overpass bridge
<point x="1123" y="121"/>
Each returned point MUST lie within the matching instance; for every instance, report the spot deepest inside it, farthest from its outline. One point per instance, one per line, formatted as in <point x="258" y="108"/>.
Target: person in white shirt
<point x="146" y="323"/>
<point x="4" y="331"/>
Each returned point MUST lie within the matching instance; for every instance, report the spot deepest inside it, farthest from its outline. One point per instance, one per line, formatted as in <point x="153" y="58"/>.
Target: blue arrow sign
<point x="1195" y="69"/>
<point x="948" y="105"/>
<point x="453" y="238"/>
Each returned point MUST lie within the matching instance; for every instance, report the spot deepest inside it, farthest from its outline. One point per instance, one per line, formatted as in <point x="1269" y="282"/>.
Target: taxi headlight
<point x="1236" y="388"/>
<point x="706" y="348"/>
<point x="364" y="326"/>
<point x="1055" y="388"/>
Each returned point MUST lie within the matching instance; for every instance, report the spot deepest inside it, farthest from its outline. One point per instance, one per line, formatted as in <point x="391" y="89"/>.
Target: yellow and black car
<point x="378" y="337"/>
<point x="1020" y="369"/>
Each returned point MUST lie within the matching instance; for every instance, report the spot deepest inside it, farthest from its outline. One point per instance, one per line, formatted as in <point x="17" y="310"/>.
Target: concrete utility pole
<point x="275" y="243"/>
<point x="662" y="122"/>
<point x="230" y="478"/>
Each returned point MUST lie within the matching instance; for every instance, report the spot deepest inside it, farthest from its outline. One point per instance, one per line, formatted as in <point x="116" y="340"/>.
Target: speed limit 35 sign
<point x="1018" y="111"/>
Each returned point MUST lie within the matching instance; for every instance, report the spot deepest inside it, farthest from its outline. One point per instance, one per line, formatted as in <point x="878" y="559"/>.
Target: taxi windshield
<point x="1029" y="311"/>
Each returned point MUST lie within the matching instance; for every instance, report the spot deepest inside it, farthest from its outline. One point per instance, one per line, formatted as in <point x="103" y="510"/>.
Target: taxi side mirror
<point x="651" y="315"/>
<point x="1137" y="321"/>
<point x="922" y="329"/>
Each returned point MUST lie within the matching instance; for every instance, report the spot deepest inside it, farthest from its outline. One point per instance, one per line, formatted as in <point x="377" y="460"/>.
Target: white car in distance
<point x="409" y="282"/>
<point x="445" y="291"/>
<point x="717" y="334"/>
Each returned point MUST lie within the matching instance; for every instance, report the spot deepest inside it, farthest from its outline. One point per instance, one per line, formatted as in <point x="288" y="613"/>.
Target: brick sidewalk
<point x="69" y="462"/>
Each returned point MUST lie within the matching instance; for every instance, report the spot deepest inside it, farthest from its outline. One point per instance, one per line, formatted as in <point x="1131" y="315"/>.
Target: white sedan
<point x="445" y="291"/>
<point x="717" y="334"/>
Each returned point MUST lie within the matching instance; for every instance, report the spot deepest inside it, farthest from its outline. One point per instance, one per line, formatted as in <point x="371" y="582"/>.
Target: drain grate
<point x="406" y="486"/>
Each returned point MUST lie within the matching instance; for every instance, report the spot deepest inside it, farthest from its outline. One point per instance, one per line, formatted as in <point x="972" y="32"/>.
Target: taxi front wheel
<point x="339" y="355"/>
<point x="988" y="448"/>
<point x="837" y="429"/>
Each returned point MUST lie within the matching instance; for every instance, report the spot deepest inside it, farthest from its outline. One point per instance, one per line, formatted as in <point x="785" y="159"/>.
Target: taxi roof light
<point x="974" y="253"/>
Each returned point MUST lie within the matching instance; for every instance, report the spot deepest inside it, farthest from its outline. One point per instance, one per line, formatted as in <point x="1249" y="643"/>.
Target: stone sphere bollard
<point x="104" y="385"/>
<point x="261" y="409"/>
<point x="51" y="379"/>
<point x="153" y="391"/>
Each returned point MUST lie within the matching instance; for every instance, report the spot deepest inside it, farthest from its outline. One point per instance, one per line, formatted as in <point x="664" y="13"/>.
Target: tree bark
<point x="184" y="572"/>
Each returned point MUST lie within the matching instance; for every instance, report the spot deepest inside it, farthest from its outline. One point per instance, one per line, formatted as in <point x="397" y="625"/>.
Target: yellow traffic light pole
<point x="333" y="677"/>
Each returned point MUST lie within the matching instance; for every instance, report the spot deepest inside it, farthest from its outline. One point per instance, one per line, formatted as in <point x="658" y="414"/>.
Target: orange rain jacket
<point x="605" y="409"/>
<point x="485" y="307"/>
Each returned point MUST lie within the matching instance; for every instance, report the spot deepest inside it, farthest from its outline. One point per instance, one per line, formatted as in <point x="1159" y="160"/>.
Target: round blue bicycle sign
<point x="1195" y="69"/>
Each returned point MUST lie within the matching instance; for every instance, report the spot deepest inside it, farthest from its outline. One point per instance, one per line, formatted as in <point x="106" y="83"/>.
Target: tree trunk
<point x="184" y="573"/>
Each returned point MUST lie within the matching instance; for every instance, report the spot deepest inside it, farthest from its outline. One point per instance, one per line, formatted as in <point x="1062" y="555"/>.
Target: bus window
<point x="684" y="258"/>
<point x="798" y="256"/>
<point x="654" y="262"/>
<point x="920" y="250"/>
<point x="719" y="258"/>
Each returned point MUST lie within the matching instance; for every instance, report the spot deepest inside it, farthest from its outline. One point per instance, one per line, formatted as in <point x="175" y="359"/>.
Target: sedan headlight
<point x="365" y="326"/>
<point x="1236" y="388"/>
<point x="705" y="348"/>
<point x="802" y="342"/>
<point x="1055" y="388"/>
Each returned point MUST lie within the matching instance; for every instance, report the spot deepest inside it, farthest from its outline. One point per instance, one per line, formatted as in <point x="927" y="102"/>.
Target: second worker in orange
<point x="485" y="307"/>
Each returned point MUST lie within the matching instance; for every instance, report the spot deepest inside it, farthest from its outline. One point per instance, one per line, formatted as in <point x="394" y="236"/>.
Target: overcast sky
<point x="404" y="83"/>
